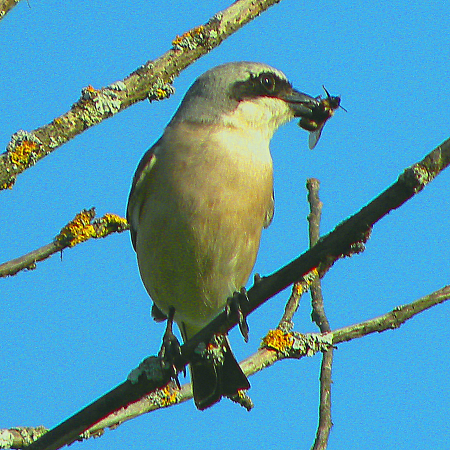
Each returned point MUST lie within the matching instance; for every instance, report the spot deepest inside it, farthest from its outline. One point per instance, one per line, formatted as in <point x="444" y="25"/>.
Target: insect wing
<point x="314" y="136"/>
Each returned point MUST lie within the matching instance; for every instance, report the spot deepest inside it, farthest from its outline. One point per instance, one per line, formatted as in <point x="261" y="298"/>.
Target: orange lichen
<point x="23" y="153"/>
<point x="83" y="227"/>
<point x="78" y="230"/>
<point x="8" y="184"/>
<point x="196" y="32"/>
<point x="108" y="224"/>
<point x="310" y="276"/>
<point x="169" y="396"/>
<point x="161" y="94"/>
<point x="277" y="340"/>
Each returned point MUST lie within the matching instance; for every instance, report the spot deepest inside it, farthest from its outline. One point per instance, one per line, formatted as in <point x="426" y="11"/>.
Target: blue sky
<point x="73" y="328"/>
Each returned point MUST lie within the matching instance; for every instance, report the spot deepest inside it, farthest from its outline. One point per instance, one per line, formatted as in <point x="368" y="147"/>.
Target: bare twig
<point x="298" y="289"/>
<point x="302" y="286"/>
<point x="319" y="317"/>
<point x="392" y="319"/>
<point x="80" y="229"/>
<point x="318" y="313"/>
<point x="153" y="80"/>
<point x="325" y="422"/>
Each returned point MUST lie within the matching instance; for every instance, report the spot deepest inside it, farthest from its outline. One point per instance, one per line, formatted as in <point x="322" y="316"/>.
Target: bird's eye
<point x="267" y="82"/>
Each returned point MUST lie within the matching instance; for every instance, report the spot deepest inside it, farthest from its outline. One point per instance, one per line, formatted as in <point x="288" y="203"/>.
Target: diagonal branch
<point x="276" y="346"/>
<point x="346" y="239"/>
<point x="392" y="319"/>
<point x="153" y="80"/>
<point x="343" y="240"/>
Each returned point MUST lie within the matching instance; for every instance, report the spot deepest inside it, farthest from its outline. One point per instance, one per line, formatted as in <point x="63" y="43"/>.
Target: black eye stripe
<point x="266" y="84"/>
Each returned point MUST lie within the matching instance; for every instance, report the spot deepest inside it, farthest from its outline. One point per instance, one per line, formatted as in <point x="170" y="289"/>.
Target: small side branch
<point x="392" y="319"/>
<point x="83" y="227"/>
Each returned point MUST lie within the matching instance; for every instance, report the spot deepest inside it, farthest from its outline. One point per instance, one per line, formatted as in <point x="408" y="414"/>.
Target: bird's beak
<point x="300" y="103"/>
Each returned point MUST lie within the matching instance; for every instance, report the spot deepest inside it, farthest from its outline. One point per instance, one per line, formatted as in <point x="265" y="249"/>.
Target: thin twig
<point x="319" y="317"/>
<point x="318" y="313"/>
<point x="298" y="289"/>
<point x="83" y="227"/>
<point x="325" y="421"/>
<point x="392" y="319"/>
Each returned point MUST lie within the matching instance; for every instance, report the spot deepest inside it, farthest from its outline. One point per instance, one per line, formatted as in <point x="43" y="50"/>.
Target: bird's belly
<point x="200" y="225"/>
<point x="194" y="260"/>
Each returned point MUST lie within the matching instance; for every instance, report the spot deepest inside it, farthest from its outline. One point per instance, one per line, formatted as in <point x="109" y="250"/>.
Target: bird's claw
<point x="170" y="352"/>
<point x="234" y="310"/>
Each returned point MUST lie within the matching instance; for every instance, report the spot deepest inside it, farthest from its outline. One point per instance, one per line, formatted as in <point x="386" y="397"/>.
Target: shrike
<point x="200" y="199"/>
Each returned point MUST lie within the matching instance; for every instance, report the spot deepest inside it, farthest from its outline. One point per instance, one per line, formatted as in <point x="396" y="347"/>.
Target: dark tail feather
<point x="214" y="378"/>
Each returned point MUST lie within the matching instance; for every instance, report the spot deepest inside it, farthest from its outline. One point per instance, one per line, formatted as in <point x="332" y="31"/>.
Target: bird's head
<point x="244" y="95"/>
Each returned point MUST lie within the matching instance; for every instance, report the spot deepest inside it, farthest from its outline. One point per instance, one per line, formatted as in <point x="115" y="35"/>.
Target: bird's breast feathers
<point x="200" y="213"/>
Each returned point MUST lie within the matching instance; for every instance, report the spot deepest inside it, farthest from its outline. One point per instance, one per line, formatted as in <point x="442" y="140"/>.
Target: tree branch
<point x="319" y="317"/>
<point x="276" y="346"/>
<point x="80" y="229"/>
<point x="343" y="240"/>
<point x="346" y="239"/>
<point x="153" y="80"/>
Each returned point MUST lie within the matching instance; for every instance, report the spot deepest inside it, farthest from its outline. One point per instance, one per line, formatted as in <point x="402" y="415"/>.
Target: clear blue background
<point x="73" y="328"/>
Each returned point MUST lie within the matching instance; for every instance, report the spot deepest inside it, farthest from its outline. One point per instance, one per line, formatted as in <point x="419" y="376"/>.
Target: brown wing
<point x="136" y="193"/>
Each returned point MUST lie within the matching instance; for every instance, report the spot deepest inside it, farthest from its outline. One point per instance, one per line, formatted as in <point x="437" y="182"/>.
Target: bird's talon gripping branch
<point x="234" y="310"/>
<point x="170" y="353"/>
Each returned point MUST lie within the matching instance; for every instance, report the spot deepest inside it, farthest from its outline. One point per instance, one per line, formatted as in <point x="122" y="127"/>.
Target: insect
<point x="320" y="114"/>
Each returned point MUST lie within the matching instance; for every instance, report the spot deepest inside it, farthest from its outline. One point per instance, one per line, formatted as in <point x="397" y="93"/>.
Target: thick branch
<point x="341" y="241"/>
<point x="153" y="80"/>
<point x="347" y="238"/>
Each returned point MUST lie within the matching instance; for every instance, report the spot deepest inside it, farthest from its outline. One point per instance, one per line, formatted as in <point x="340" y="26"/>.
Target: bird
<point x="200" y="198"/>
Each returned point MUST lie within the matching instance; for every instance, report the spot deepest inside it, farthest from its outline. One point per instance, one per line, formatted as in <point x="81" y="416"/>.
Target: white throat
<point x="262" y="114"/>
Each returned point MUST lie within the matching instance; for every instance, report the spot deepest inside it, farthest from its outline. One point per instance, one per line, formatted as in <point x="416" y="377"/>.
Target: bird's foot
<point x="234" y="310"/>
<point x="170" y="353"/>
